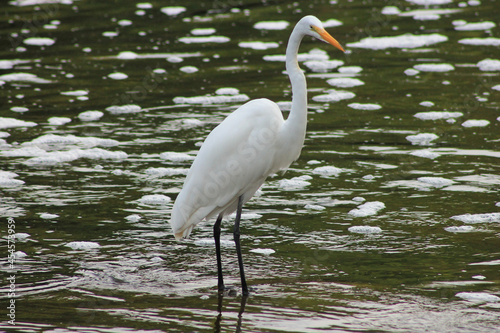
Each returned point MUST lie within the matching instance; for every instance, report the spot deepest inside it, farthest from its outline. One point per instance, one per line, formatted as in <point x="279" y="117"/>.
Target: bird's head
<point x="312" y="26"/>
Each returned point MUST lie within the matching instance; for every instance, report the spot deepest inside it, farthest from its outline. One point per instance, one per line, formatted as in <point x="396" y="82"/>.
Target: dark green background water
<point x="322" y="277"/>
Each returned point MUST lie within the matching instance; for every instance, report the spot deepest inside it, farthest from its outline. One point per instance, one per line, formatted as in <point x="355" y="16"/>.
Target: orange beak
<point x="328" y="38"/>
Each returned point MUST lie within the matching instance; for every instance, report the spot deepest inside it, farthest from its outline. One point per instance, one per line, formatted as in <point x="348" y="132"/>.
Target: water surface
<point x="389" y="220"/>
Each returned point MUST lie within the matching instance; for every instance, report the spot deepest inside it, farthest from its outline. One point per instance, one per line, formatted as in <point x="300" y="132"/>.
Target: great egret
<point x="252" y="143"/>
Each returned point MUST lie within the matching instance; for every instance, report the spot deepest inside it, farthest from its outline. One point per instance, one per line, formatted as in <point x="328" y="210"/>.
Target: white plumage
<point x="252" y="143"/>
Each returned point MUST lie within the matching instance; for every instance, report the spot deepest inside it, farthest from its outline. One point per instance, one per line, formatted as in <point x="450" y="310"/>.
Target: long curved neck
<point x="298" y="113"/>
<point x="294" y="129"/>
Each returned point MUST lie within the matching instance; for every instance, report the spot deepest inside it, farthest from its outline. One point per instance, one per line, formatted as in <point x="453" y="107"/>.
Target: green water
<point x="410" y="276"/>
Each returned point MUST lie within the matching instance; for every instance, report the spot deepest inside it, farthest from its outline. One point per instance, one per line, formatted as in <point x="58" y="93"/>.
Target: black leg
<point x="236" y="235"/>
<point x="220" y="283"/>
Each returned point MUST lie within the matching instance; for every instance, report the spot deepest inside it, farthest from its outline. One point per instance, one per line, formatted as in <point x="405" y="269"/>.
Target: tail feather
<point x="183" y="233"/>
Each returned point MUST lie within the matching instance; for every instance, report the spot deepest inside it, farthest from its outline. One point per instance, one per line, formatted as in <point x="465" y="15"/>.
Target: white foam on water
<point x="478" y="297"/>
<point x="24" y="151"/>
<point x="57" y="121"/>
<point x="478" y="218"/>
<point x="178" y="124"/>
<point x="332" y="23"/>
<point x="426" y="103"/>
<point x="75" y="93"/>
<point x="91" y="115"/>
<point x="364" y="229"/>
<point x="434" y="67"/>
<point x="365" y="106"/>
<point x="7" y="179"/>
<point x="390" y="10"/>
<point x="488" y="41"/>
<point x="162" y="172"/>
<point x="188" y="69"/>
<point x="436" y="181"/>
<point x="425" y="153"/>
<point x="227" y="91"/>
<point x="429" y="13"/>
<point x="324" y="66"/>
<point x="411" y="72"/>
<point x="334" y="95"/>
<point x="485" y="25"/>
<point x="407" y="41"/>
<point x="426" y="17"/>
<point x="124" y="109"/>
<point x="48" y="216"/>
<point x="345" y="82"/>
<point x="263" y="251"/>
<point x="486" y="65"/>
<point x="127" y="55"/>
<point x="436" y="115"/>
<point x="210" y="242"/>
<point x="271" y="25"/>
<point x="476" y="123"/>
<point x="486" y="263"/>
<point x="422" y="139"/>
<point x="314" y="207"/>
<point x="367" y="209"/>
<point x="430" y="2"/>
<point x="171" y="57"/>
<point x="21" y="236"/>
<point x="350" y="69"/>
<point x="295" y="183"/>
<point x="176" y="157"/>
<point x="13" y="123"/>
<point x="327" y="171"/>
<point x="173" y="10"/>
<point x="485" y="179"/>
<point x="23" y="77"/>
<point x="118" y="76"/>
<point x="56" y="157"/>
<point x="203" y="31"/>
<point x="154" y="200"/>
<point x="204" y="39"/>
<point x="124" y="23"/>
<point x="110" y="34"/>
<point x="312" y="55"/>
<point x="118" y="172"/>
<point x="82" y="245"/>
<point x="258" y="45"/>
<point x="20" y="254"/>
<point x="133" y="218"/>
<point x="175" y="59"/>
<point x="144" y="5"/>
<point x="496" y="87"/>
<point x="22" y="3"/>
<point x="54" y="140"/>
<point x="246" y="216"/>
<point x="19" y="109"/>
<point x="466" y="188"/>
<point x="159" y="71"/>
<point x="210" y="99"/>
<point x="39" y="41"/>
<point x="460" y="229"/>
<point x="9" y="64"/>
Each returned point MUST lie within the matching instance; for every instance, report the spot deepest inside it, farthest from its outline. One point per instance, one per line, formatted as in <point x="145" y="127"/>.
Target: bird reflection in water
<point x="218" y="320"/>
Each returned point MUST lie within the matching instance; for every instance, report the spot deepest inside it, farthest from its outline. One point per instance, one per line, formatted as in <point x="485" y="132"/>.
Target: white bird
<point x="252" y="143"/>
